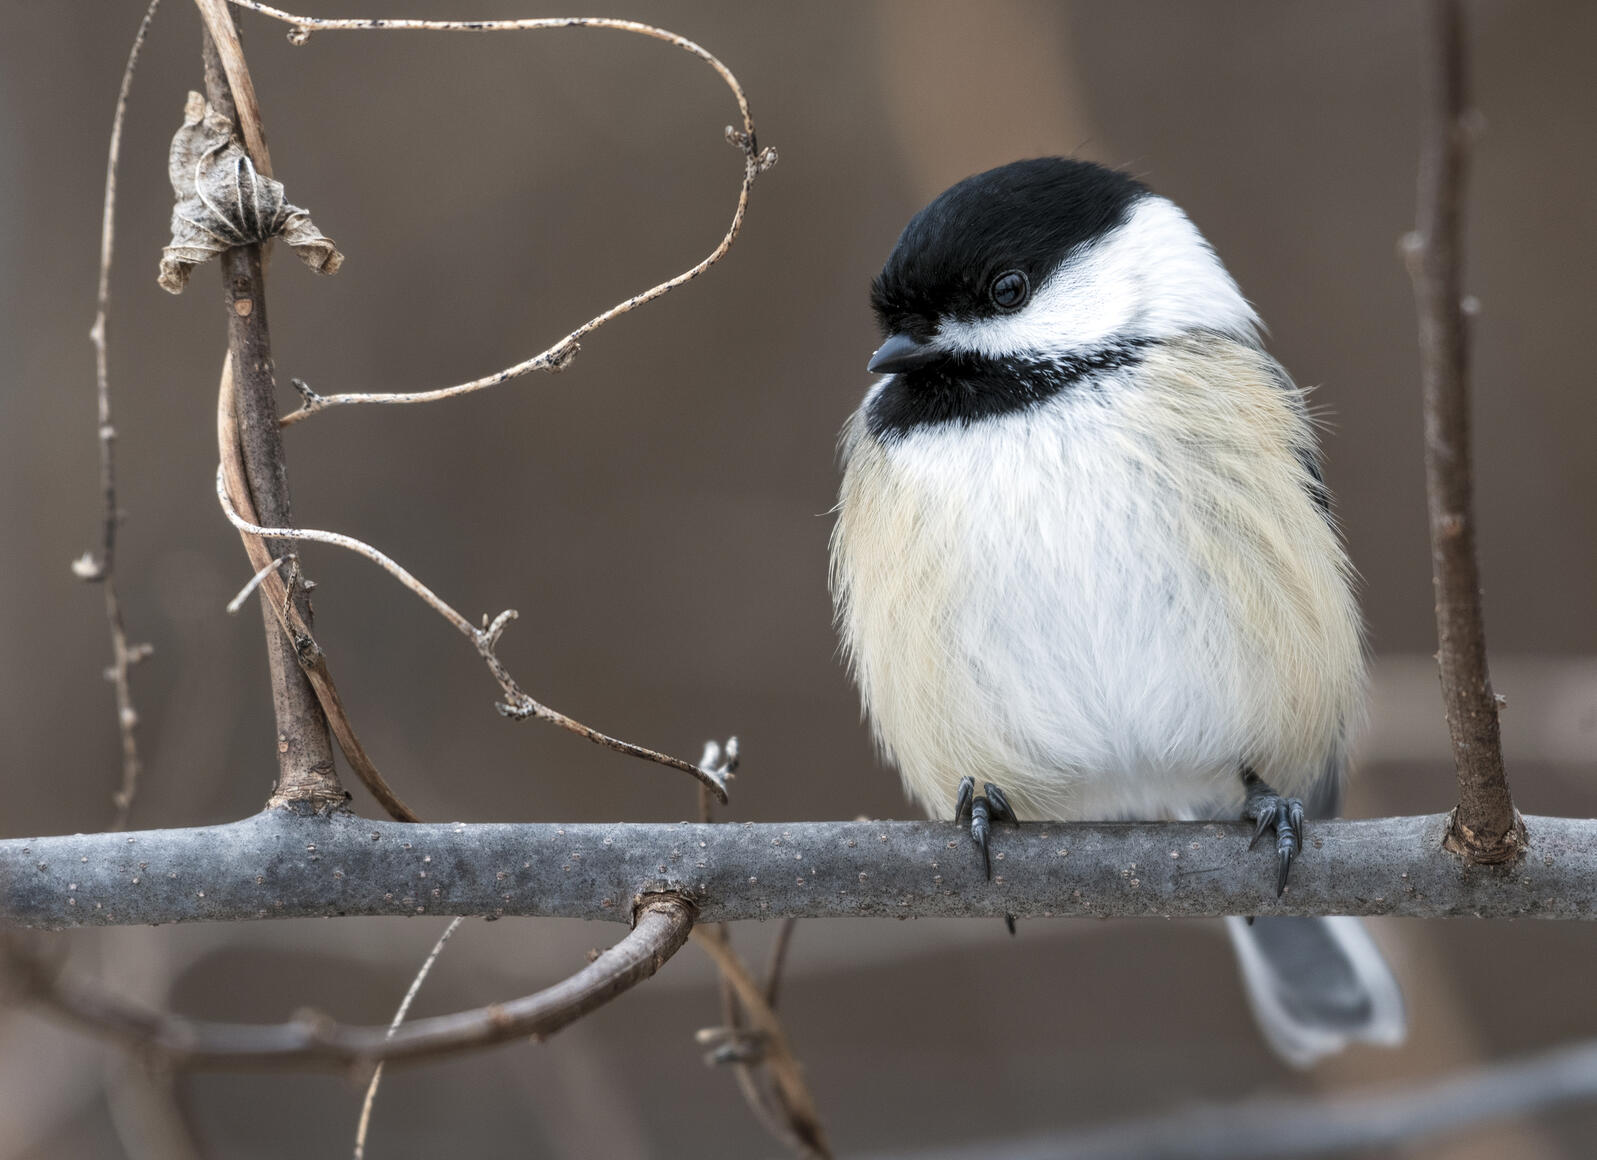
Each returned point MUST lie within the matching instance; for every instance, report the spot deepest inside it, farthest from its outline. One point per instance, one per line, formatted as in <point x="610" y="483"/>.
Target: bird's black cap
<point x="1026" y="216"/>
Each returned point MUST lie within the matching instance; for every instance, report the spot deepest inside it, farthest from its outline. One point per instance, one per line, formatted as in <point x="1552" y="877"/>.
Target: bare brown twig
<point x="275" y="595"/>
<point x="797" y="1104"/>
<point x="755" y="162"/>
<point x="290" y="610"/>
<point x="314" y="1041"/>
<point x="230" y="56"/>
<point x="778" y="961"/>
<point x="304" y="745"/>
<point x="103" y="571"/>
<point x="768" y="1074"/>
<point x="1486" y="827"/>
<point x="518" y="705"/>
<point x="399" y="1017"/>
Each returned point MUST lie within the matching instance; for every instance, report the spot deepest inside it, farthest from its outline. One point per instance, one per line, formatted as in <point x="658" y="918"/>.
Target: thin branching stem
<point x="123" y="655"/>
<point x="517" y="705"/>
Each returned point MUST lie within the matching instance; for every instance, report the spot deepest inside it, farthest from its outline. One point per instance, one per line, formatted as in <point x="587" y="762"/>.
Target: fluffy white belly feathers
<point x="1108" y="603"/>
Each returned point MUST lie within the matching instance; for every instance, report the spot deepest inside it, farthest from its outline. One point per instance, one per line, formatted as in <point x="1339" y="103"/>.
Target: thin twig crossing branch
<point x="393" y="1025"/>
<point x="1486" y="828"/>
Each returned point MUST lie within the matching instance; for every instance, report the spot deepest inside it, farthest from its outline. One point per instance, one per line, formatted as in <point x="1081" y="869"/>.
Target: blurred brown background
<point x="658" y="513"/>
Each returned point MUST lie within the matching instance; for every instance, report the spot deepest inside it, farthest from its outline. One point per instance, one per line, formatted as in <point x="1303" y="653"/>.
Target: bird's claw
<point x="982" y="809"/>
<point x="1270" y="811"/>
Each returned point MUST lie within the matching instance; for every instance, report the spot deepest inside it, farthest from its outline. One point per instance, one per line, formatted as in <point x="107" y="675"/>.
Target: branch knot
<point x="1478" y="849"/>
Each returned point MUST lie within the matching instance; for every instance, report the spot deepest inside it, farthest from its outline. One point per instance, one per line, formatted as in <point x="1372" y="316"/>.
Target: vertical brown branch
<point x="304" y="746"/>
<point x="274" y="592"/>
<point x="1485" y="826"/>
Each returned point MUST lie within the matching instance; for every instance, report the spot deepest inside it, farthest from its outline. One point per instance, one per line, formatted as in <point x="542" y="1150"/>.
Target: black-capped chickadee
<point x="1084" y="554"/>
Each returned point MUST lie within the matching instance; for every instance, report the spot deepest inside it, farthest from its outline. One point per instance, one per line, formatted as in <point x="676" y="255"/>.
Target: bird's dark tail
<point x="1317" y="985"/>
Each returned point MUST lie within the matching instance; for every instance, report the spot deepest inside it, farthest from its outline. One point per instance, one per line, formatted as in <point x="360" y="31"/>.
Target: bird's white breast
<point x="1105" y="604"/>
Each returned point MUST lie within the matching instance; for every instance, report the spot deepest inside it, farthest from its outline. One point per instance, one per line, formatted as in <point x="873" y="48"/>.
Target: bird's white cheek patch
<point x="1083" y="307"/>
<point x="1154" y="277"/>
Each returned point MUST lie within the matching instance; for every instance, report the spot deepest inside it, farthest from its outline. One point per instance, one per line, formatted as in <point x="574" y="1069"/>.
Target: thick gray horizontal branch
<point x="280" y="864"/>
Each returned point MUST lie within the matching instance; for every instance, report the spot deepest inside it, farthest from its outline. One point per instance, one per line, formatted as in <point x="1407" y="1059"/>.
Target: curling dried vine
<point x="517" y="705"/>
<point x="557" y="357"/>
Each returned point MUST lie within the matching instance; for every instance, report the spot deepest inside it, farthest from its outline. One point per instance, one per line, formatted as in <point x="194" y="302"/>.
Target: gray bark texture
<point x="285" y="864"/>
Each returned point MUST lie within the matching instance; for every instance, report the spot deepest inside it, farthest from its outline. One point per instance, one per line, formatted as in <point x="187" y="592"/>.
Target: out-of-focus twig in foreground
<point x="792" y="1112"/>
<point x="313" y="1041"/>
<point x="1285" y="1129"/>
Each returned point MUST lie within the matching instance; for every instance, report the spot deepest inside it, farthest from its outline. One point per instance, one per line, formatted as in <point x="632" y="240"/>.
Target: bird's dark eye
<point x="1010" y="290"/>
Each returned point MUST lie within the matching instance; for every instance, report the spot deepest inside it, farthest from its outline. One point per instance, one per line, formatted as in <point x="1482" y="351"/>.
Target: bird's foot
<point x="1268" y="810"/>
<point x="983" y="809"/>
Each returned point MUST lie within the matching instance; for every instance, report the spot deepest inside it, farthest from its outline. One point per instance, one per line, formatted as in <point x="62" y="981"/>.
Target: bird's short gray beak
<point x="899" y="353"/>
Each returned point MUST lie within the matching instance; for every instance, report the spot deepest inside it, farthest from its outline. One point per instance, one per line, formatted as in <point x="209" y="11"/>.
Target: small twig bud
<point x="312" y="399"/>
<point x="237" y="602"/>
<point x="87" y="568"/>
<point x="492" y="632"/>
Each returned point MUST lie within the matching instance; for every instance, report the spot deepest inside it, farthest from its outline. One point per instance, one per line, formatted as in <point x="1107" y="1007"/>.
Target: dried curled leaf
<point x="223" y="202"/>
